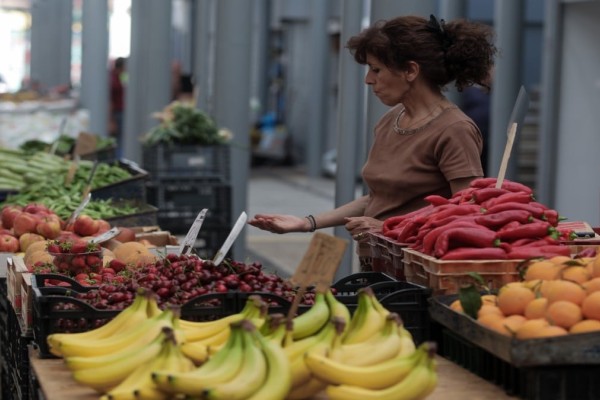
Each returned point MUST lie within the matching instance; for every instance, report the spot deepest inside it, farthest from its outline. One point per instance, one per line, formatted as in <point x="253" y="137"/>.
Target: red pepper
<point x="517" y="197"/>
<point x="407" y="231"/>
<point x="481" y="195"/>
<point x="533" y="230"/>
<point x="523" y="242"/>
<point x="464" y="237"/>
<point x="456" y="209"/>
<point x="462" y="196"/>
<point x="391" y="223"/>
<point x="526" y="252"/>
<point x="483" y="182"/>
<point x="516" y="187"/>
<point x="476" y="253"/>
<point x="510" y="225"/>
<point x="536" y="211"/>
<point x="500" y="219"/>
<point x="540" y="205"/>
<point x="431" y="237"/>
<point x="436" y="200"/>
<point x="551" y="216"/>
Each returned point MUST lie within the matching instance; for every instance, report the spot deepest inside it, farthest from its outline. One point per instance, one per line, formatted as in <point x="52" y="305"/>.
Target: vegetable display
<point x="482" y="222"/>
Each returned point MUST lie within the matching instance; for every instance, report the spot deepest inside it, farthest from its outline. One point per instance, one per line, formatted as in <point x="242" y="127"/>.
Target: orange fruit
<point x="551" y="330"/>
<point x="514" y="299"/>
<point x="530" y="328"/>
<point x="591" y="286"/>
<point x="510" y="325"/>
<point x="456" y="306"/>
<point x="586" y="325"/>
<point x="489" y="309"/>
<point x="563" y="313"/>
<point x="536" y="308"/>
<point x="591" y="306"/>
<point x="595" y="268"/>
<point x="576" y="273"/>
<point x="544" y="269"/>
<point x="490" y="320"/>
<point x="489" y="299"/>
<point x="565" y="290"/>
<point x="560" y="260"/>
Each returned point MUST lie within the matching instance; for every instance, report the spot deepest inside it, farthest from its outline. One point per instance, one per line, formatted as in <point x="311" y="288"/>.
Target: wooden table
<point x="455" y="382"/>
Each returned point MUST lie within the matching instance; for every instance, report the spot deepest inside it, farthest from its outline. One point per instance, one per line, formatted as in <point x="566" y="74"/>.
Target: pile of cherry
<point x="176" y="279"/>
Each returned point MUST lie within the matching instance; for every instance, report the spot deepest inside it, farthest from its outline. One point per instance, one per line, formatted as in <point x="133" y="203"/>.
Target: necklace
<point x="412" y="131"/>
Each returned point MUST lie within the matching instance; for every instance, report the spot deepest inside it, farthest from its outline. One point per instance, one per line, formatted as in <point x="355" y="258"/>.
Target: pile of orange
<point x="558" y="296"/>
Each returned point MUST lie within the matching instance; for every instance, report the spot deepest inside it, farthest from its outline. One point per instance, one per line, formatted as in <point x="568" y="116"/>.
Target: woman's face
<point x="388" y="85"/>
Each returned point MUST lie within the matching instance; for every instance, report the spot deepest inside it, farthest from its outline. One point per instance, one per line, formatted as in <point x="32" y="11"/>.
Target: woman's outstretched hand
<point x="279" y="223"/>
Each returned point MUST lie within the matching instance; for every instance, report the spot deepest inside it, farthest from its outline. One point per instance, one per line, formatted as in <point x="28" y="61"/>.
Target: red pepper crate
<point x="387" y="255"/>
<point x="446" y="277"/>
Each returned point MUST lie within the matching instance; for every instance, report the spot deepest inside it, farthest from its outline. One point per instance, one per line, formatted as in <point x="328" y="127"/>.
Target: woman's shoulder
<point x="388" y="118"/>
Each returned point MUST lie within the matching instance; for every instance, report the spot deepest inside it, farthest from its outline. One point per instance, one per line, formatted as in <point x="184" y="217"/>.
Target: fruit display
<point x="482" y="222"/>
<point x="558" y="296"/>
<point x="250" y="354"/>
<point x="76" y="256"/>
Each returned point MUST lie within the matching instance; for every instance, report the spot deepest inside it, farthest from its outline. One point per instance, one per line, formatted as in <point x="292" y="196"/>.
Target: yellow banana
<point x="194" y="331"/>
<point x="138" y="384"/>
<point x="299" y="347"/>
<point x="249" y="378"/>
<point x="366" y="321"/>
<point x="312" y="320"/>
<point x="130" y="316"/>
<point x="278" y="381"/>
<point x="379" y="307"/>
<point x="195" y="351"/>
<point x="277" y="330"/>
<point x="338" y="309"/>
<point x="407" y="345"/>
<point x="222" y="367"/>
<point x="108" y="376"/>
<point x="144" y="332"/>
<point x="379" y="347"/>
<point x="419" y="383"/>
<point x="377" y="376"/>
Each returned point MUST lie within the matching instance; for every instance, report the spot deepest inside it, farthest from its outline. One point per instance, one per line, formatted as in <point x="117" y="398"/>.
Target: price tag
<point x="190" y="238"/>
<point x="318" y="266"/>
<point x="106" y="236"/>
<point x="78" y="210"/>
<point x="86" y="143"/>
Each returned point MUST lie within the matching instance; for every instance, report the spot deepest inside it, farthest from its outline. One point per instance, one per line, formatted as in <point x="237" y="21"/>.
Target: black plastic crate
<point x="17" y="358"/>
<point x="107" y="154"/>
<point x="351" y="284"/>
<point x="146" y="215"/>
<point x="185" y="194"/>
<point x="553" y="382"/>
<point x="192" y="160"/>
<point x="132" y="188"/>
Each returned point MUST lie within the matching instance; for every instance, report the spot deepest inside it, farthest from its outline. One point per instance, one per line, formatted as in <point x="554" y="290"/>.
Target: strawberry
<point x="93" y="261"/>
<point x="79" y="247"/>
<point x="54" y="247"/>
<point x="117" y="265"/>
<point x="79" y="262"/>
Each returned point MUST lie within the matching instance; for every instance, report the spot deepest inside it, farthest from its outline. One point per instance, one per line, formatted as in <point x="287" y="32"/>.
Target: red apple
<point x="125" y="235"/>
<point x="85" y="225"/>
<point x="26" y="239"/>
<point x="49" y="227"/>
<point x="67" y="235"/>
<point x="8" y="215"/>
<point x="36" y="208"/>
<point x="9" y="243"/>
<point x="103" y="226"/>
<point x="24" y="223"/>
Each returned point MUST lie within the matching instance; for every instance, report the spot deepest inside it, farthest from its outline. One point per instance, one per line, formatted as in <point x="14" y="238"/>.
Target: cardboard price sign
<point x="318" y="266"/>
<point x="85" y="143"/>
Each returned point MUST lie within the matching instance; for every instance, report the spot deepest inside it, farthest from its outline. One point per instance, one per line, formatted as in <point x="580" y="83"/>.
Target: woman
<point x="424" y="144"/>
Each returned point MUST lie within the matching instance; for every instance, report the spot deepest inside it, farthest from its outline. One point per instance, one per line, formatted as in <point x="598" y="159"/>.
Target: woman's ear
<point x="412" y="71"/>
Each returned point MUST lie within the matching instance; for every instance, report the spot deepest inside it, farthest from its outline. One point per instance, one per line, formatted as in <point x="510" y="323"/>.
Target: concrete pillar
<point x="148" y="88"/>
<point x="51" y="42"/>
<point x="232" y="97"/>
<point x="94" y="65"/>
<point x="204" y="53"/>
<point x="319" y="82"/>
<point x="351" y="132"/>
<point x="508" y="17"/>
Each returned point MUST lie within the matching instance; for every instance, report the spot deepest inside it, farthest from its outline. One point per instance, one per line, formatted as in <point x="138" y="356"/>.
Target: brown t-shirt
<point x="402" y="169"/>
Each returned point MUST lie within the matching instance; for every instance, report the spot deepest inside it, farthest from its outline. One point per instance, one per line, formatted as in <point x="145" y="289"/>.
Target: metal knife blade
<point x="235" y="231"/>
<point x="190" y="238"/>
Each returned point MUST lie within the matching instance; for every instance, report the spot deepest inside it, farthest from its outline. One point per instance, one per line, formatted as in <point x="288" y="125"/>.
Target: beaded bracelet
<point x="313" y="223"/>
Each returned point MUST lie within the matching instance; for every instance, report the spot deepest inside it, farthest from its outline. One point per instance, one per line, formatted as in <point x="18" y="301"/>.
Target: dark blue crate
<point x="146" y="215"/>
<point x="184" y="194"/>
<point x="133" y="188"/>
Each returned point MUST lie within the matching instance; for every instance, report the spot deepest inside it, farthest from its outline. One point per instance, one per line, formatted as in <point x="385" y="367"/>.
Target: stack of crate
<point x="184" y="179"/>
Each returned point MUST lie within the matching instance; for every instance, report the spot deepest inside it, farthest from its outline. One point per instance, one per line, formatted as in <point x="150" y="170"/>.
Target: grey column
<point x="449" y="10"/>
<point x="148" y="71"/>
<point x="351" y="132"/>
<point x="319" y="82"/>
<point x="51" y="42"/>
<point x="508" y="15"/>
<point x="94" y="65"/>
<point x="549" y="116"/>
<point x="204" y="54"/>
<point x="232" y="96"/>
<point x="260" y="59"/>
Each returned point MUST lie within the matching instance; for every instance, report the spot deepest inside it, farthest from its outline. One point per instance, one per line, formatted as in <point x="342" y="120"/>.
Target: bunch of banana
<point x="247" y="367"/>
<point x="144" y="306"/>
<point x="138" y="384"/>
<point x="418" y="381"/>
<point x="205" y="338"/>
<point x="368" y="318"/>
<point x="105" y="363"/>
